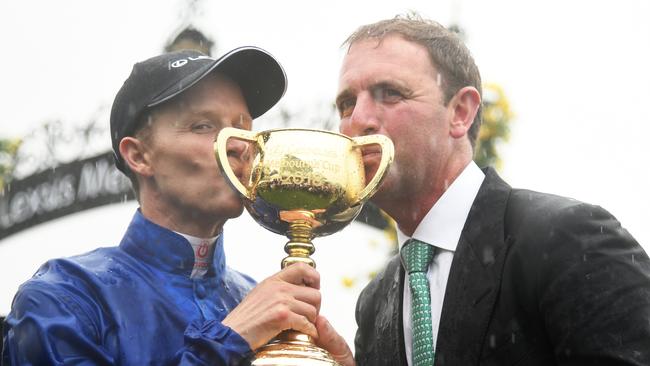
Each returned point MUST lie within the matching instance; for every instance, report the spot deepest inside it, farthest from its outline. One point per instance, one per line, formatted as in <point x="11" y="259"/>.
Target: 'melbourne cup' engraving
<point x="320" y="172"/>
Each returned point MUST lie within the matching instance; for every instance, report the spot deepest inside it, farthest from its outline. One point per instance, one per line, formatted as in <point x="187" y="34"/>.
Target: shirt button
<point x="200" y="291"/>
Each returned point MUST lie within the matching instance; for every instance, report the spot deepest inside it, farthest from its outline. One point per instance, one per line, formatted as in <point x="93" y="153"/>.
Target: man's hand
<point x="290" y="299"/>
<point x="331" y="341"/>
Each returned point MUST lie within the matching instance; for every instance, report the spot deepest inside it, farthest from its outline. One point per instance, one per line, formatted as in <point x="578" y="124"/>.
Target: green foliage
<point x="8" y="156"/>
<point x="495" y="128"/>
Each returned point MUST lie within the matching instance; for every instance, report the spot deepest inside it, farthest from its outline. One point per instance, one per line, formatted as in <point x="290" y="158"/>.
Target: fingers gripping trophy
<point x="303" y="183"/>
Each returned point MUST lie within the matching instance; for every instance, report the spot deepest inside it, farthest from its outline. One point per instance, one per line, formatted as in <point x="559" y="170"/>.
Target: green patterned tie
<point x="417" y="256"/>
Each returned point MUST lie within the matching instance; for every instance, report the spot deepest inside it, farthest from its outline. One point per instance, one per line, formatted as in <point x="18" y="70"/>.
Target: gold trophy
<point x="303" y="183"/>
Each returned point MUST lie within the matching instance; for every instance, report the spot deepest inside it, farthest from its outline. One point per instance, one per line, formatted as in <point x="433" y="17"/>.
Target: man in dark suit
<point x="506" y="276"/>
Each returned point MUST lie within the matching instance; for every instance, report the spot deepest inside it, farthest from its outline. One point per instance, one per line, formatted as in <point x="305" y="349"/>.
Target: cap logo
<point x="183" y="61"/>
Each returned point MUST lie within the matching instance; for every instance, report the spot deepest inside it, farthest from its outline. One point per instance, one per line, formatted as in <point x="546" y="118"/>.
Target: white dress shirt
<point x="441" y="227"/>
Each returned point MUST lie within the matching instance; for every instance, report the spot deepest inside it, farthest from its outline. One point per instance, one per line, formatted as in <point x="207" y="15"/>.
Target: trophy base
<point x="292" y="348"/>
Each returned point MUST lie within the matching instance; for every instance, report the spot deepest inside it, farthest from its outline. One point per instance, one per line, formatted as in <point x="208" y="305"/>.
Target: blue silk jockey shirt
<point x="129" y="305"/>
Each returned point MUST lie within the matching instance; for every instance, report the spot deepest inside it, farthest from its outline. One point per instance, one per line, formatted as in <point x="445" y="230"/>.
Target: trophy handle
<point x="387" y="153"/>
<point x="222" y="155"/>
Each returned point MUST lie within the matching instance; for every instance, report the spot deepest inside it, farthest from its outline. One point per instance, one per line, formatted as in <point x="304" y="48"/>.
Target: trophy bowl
<point x="302" y="183"/>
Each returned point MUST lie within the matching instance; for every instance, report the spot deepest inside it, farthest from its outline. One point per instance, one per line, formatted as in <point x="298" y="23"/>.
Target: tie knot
<point x="417" y="255"/>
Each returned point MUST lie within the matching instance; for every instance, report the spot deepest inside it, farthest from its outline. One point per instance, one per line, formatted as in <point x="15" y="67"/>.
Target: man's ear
<point x="135" y="156"/>
<point x="463" y="108"/>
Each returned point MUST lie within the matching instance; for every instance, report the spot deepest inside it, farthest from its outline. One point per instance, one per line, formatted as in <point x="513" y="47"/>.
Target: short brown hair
<point x="448" y="53"/>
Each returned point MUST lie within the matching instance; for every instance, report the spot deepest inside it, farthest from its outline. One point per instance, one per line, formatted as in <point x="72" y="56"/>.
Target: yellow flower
<point x="347" y="282"/>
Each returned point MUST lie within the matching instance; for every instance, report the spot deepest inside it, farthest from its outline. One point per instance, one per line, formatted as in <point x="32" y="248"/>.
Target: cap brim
<point x="260" y="77"/>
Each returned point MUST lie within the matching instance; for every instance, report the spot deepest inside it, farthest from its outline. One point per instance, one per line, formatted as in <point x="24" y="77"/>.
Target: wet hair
<point x="447" y="52"/>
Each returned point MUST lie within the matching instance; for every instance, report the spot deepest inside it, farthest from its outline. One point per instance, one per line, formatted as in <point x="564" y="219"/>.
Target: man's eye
<point x="387" y="95"/>
<point x="346" y="107"/>
<point x="202" y="127"/>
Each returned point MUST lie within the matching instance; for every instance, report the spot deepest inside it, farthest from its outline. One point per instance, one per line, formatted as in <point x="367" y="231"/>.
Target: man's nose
<point x="238" y="149"/>
<point x="364" y="119"/>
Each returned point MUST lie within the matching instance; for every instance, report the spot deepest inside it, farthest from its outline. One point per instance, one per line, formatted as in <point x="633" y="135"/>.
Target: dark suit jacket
<point x="536" y="279"/>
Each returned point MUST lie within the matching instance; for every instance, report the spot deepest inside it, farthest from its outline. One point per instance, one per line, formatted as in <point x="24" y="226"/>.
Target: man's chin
<point x="239" y="211"/>
<point x="227" y="209"/>
<point x="233" y="210"/>
<point x="370" y="171"/>
<point x="385" y="192"/>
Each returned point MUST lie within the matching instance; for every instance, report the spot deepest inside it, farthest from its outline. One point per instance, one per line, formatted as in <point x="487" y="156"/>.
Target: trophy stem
<point x="299" y="247"/>
<point x="292" y="348"/>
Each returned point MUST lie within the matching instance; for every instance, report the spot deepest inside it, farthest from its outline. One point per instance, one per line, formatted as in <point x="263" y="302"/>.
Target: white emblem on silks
<point x="182" y="62"/>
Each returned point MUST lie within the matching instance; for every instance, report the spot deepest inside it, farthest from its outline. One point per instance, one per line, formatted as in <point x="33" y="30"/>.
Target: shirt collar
<point x="203" y="249"/>
<point x="165" y="249"/>
<point x="444" y="222"/>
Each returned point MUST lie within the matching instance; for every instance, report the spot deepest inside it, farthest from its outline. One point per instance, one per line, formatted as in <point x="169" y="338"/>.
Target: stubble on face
<point x="410" y="111"/>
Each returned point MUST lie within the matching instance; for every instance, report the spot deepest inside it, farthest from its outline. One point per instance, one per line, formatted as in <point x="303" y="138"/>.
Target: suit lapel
<point x="475" y="277"/>
<point x="400" y="316"/>
<point x="395" y="329"/>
